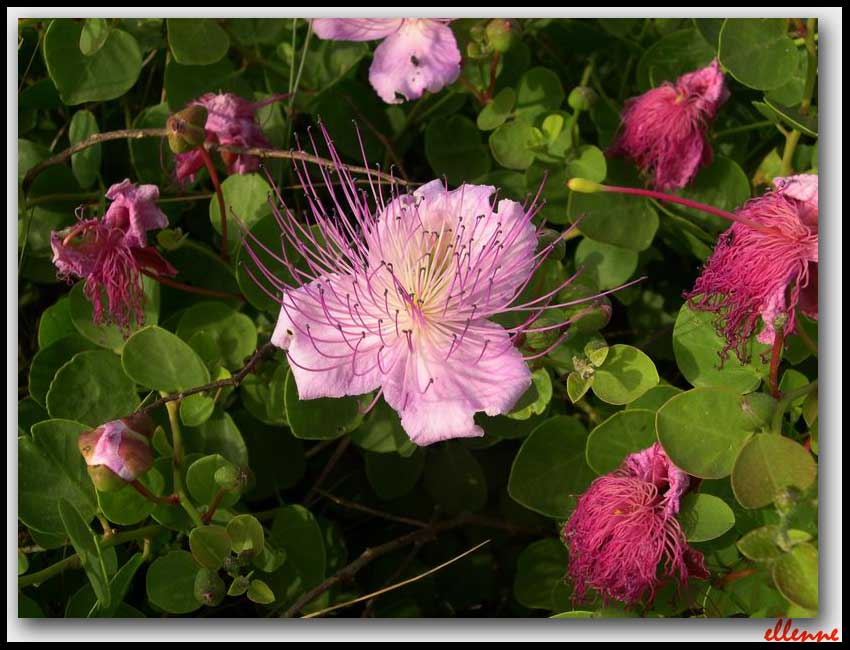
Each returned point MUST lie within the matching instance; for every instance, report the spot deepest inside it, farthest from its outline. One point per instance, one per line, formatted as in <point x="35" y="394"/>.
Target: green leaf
<point x="550" y="468"/>
<point x="274" y="252"/>
<point x="511" y="143"/>
<point x="319" y="419"/>
<point x="454" y="149"/>
<point x="260" y="593"/>
<point x="55" y="322"/>
<point x="392" y="476"/>
<point x="210" y="546"/>
<point x="85" y="544"/>
<point x="93" y="36"/>
<point x="539" y="581"/>
<point x="500" y="108"/>
<point x="702" y="430"/>
<point x="149" y="161"/>
<point x="795" y="574"/>
<point x="170" y="583"/>
<point x="767" y="464"/>
<point x="455" y="479"/>
<point x="246" y="534"/>
<point x="704" y="517"/>
<point x="697" y="347"/>
<point x="247" y="197"/>
<point x="710" y="28"/>
<point x="382" y="432"/>
<point x="201" y="483"/>
<point x="196" y="41"/>
<point x="588" y="162"/>
<point x="606" y="265"/>
<point x="758" y="51"/>
<point x="296" y="531"/>
<point x="126" y="507"/>
<point x="86" y="163"/>
<point x="763" y="544"/>
<point x="654" y="398"/>
<point x="724" y="185"/>
<point x="218" y="435"/>
<point x="51" y="468"/>
<point x="624" y="433"/>
<point x="92" y="388"/>
<point x="626" y="375"/>
<point x="808" y="124"/>
<point x="536" y="399"/>
<point x="234" y="334"/>
<point x="49" y="359"/>
<point x="184" y="83"/>
<point x="160" y="360"/>
<point x="539" y="91"/>
<point x="119" y="585"/>
<point x="106" y="74"/>
<point x="672" y="56"/>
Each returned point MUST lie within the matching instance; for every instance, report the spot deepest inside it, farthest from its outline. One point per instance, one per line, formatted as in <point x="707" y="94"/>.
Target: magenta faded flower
<point x="664" y="130"/>
<point x="111" y="254"/>
<point x="624" y="530"/>
<point x="764" y="274"/>
<point x="117" y="452"/>
<point x="417" y="54"/>
<point x="400" y="298"/>
<point x="231" y="121"/>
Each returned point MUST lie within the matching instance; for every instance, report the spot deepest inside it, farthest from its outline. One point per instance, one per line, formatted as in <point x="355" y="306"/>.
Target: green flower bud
<point x="542" y="340"/>
<point x="499" y="34"/>
<point x="186" y="129"/>
<point x="582" y="98"/>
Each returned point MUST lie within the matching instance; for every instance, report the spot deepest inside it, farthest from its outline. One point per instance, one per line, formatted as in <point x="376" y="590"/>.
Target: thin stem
<point x="332" y="461"/>
<point x="171" y="499"/>
<point x="174" y="284"/>
<point x="775" y="359"/>
<point x="785" y="403"/>
<point x="216" y="502"/>
<point x="742" y="129"/>
<point x="177" y="446"/>
<point x="791" y="140"/>
<point x="208" y="163"/>
<point x="352" y="505"/>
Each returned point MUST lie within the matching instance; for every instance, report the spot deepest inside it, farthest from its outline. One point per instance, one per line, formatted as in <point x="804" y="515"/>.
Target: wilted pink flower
<point x="664" y="130"/>
<point x="118" y="451"/>
<point x="417" y="54"/>
<point x="624" y="528"/>
<point x="231" y="121"/>
<point x="766" y="273"/>
<point x="111" y="253"/>
<point x="401" y="297"/>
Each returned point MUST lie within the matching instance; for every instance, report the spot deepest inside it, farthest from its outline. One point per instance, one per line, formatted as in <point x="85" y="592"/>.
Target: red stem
<point x="171" y="499"/>
<point x="208" y="163"/>
<point x="168" y="282"/>
<point x="208" y="515"/>
<point x="775" y="358"/>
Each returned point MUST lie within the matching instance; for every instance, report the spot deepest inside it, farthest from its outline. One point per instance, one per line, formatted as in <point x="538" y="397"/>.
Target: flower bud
<point x="117" y="452"/>
<point x="582" y="98"/>
<point x="186" y="129"/>
<point x="499" y="34"/>
<point x="209" y="588"/>
<point x="543" y="338"/>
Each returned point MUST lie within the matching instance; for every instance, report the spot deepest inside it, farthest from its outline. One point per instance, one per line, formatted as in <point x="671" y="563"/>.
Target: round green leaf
<point x="55" y="323"/>
<point x="672" y="56"/>
<point x="196" y="41"/>
<point x="382" y="433"/>
<point x="511" y="143"/>
<point x="391" y="475"/>
<point x="624" y="433"/>
<point x="170" y="583"/>
<point x="539" y="91"/>
<point x="160" y="360"/>
<point x="550" y="468"/>
<point x="535" y="400"/>
<point x="540" y="576"/>
<point x="94" y="35"/>
<point x="608" y="266"/>
<point x="246" y="199"/>
<point x="210" y="546"/>
<point x="86" y="163"/>
<point x="616" y="219"/>
<point x="758" y="51"/>
<point x="126" y="507"/>
<point x="795" y="574"/>
<point x="296" y="531"/>
<point x="724" y="185"/>
<point x="704" y="517"/>
<point x="697" y="347"/>
<point x="108" y="73"/>
<point x="246" y="534"/>
<point x="146" y="153"/>
<point x="108" y="335"/>
<point x="49" y="359"/>
<point x="626" y="375"/>
<point x="500" y="108"/>
<point x="201" y="483"/>
<point x="702" y="430"/>
<point x="234" y="334"/>
<point x="260" y="593"/>
<point x="319" y="419"/>
<point x="767" y="464"/>
<point x="92" y="388"/>
<point x="762" y="544"/>
<point x="454" y="149"/>
<point x="654" y="398"/>
<point x="455" y="479"/>
<point x="269" y="245"/>
<point x="588" y="162"/>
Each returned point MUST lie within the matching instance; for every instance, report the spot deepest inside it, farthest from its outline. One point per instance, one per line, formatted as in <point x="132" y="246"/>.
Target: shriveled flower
<point x="117" y="452"/>
<point x="764" y="274"/>
<point x="664" y="130"/>
<point x="624" y="531"/>
<point x="111" y="253"/>
<point x="231" y="121"/>
<point x="401" y="297"/>
<point x="417" y="54"/>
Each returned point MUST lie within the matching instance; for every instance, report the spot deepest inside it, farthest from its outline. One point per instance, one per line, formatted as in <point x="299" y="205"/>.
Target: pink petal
<point x="803" y="188"/>
<point x="422" y="55"/>
<point x="134" y="210"/>
<point x="327" y="350"/>
<point x="187" y="165"/>
<point x="463" y="384"/>
<point x="355" y="29"/>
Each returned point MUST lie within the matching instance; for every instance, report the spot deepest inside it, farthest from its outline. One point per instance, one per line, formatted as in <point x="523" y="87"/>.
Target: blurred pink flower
<point x="765" y="273"/>
<point x="664" y="130"/>
<point x="624" y="526"/>
<point x="417" y="54"/>
<point x="401" y="298"/>
<point x="111" y="253"/>
<point x="231" y="121"/>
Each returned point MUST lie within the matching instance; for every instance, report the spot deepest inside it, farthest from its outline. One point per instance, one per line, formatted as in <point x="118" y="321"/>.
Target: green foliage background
<point x="324" y="483"/>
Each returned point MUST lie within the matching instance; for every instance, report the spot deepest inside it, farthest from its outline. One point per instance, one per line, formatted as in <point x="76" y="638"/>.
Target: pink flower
<point x="664" y="130"/>
<point x="417" y="54"/>
<point x="119" y="449"/>
<point x="111" y="253"/>
<point x="400" y="298"/>
<point x="231" y="121"/>
<point x="767" y="273"/>
<point x="624" y="527"/>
